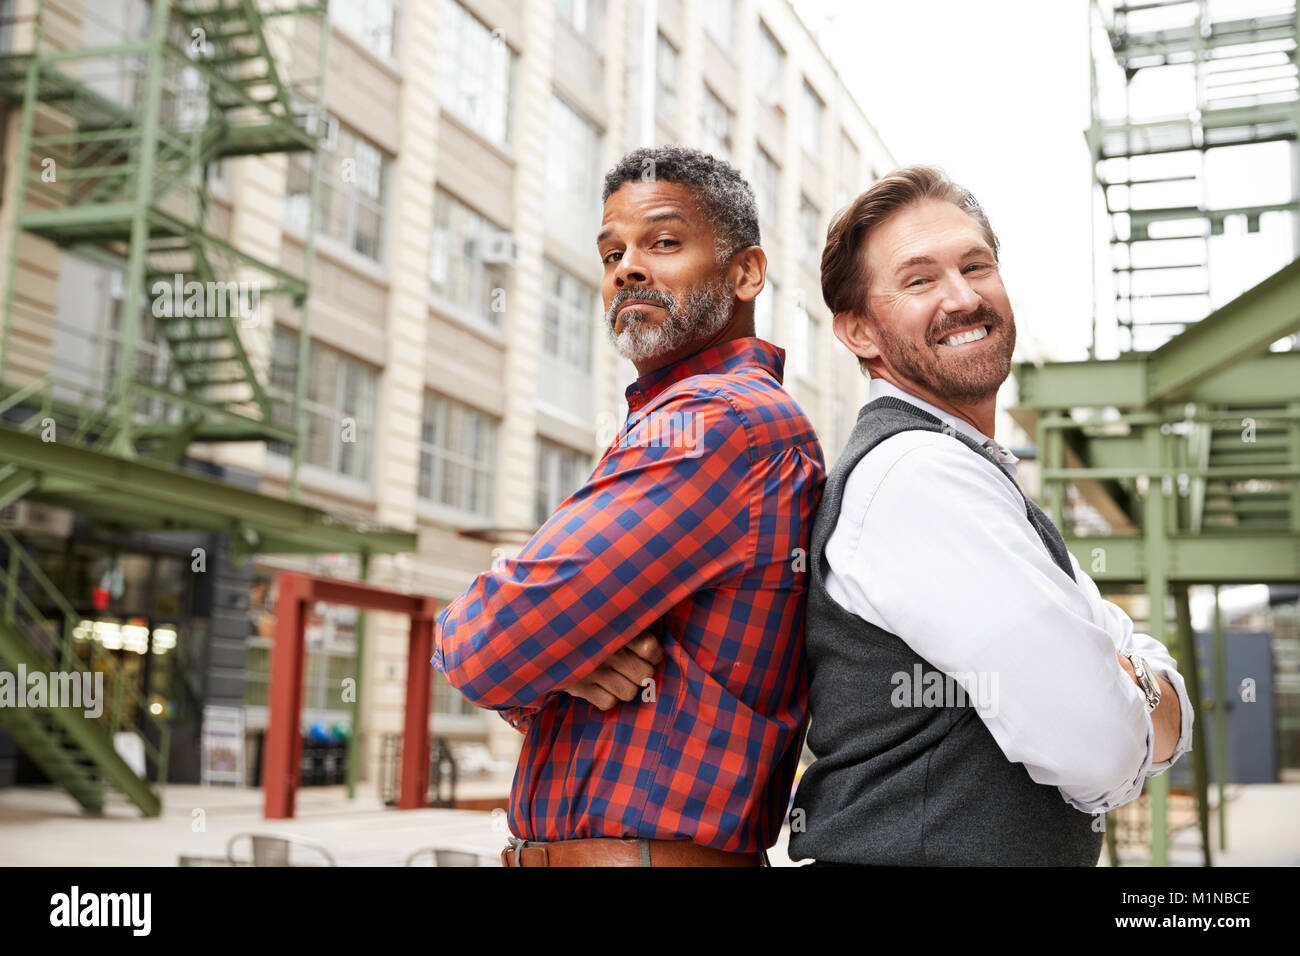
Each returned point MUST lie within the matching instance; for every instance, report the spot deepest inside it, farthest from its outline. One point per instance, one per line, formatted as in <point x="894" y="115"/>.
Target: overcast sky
<point x="997" y="95"/>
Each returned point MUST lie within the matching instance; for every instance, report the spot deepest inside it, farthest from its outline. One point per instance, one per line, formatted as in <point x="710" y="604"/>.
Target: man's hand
<point x="1167" y="718"/>
<point x="619" y="676"/>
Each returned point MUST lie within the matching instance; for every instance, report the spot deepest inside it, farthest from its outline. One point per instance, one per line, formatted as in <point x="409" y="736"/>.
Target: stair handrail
<point x="65" y="642"/>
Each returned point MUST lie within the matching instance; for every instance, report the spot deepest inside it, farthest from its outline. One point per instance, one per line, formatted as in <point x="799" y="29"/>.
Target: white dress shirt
<point x="933" y="545"/>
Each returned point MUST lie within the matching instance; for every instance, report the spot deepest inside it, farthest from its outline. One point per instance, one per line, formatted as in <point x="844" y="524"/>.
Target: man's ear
<point x="748" y="272"/>
<point x="857" y="332"/>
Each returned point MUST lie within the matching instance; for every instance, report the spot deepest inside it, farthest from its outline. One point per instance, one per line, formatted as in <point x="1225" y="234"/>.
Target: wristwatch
<point x="1146" y="681"/>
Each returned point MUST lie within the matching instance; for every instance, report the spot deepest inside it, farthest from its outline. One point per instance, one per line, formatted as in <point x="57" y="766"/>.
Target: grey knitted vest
<point x="911" y="785"/>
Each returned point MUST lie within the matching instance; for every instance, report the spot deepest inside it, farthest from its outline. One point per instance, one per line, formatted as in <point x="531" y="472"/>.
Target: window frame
<point x="441" y="453"/>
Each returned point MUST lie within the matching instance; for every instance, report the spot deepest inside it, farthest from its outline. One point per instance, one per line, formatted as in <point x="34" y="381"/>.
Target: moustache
<point x="662" y="299"/>
<point x="982" y="315"/>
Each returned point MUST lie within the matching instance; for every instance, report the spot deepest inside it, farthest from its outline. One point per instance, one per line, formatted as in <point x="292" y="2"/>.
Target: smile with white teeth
<point x="961" y="338"/>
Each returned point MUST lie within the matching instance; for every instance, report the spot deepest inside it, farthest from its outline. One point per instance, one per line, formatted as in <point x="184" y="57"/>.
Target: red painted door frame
<point x="282" y="752"/>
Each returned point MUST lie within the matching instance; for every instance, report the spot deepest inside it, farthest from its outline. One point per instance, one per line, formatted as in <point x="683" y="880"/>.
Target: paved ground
<point x="42" y="826"/>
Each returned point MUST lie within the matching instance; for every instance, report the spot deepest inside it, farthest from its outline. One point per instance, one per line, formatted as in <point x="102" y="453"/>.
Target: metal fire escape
<point x="1157" y="173"/>
<point x="1180" y="465"/>
<point x="119" y="136"/>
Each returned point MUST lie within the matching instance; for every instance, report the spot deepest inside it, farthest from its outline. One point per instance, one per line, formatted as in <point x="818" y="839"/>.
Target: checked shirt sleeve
<point x="666" y="514"/>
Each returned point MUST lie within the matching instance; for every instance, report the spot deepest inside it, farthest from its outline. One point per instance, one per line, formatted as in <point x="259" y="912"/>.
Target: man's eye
<point x="917" y="282"/>
<point x="609" y="257"/>
<point x="671" y="242"/>
<point x="977" y="265"/>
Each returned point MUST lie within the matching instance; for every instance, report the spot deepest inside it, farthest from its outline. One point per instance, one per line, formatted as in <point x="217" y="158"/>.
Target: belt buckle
<point x="517" y="845"/>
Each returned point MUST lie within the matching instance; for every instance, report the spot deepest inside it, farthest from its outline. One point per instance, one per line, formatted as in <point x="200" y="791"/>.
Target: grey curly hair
<point x="724" y="196"/>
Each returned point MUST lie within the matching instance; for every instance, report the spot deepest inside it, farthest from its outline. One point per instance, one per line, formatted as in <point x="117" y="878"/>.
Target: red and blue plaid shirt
<point x="694" y="525"/>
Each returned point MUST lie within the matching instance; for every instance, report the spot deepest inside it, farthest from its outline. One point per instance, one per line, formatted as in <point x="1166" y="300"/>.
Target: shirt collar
<point x="721" y="358"/>
<point x="879" y="388"/>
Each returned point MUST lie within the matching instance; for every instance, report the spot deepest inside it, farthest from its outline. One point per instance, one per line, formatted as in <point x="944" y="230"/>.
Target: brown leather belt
<point x="604" y="851"/>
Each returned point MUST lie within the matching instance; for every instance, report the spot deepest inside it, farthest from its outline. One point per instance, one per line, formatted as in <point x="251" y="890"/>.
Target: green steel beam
<point x="1097" y="382"/>
<point x="151" y="488"/>
<point x="1189" y="666"/>
<point x="1247" y="325"/>
<point x="31" y="85"/>
<point x="135" y="269"/>
<point x="1220" y="723"/>
<point x="1125" y="382"/>
<point x="1156" y="552"/>
<point x="359" y="659"/>
<point x="1212" y="557"/>
<point x="309" y="264"/>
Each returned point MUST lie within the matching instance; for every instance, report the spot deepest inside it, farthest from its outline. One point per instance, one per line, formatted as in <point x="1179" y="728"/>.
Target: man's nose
<point x="958" y="296"/>
<point x="630" y="271"/>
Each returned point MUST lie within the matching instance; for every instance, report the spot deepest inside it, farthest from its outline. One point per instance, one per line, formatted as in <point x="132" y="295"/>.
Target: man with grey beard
<point x="648" y="640"/>
<point x="933" y="578"/>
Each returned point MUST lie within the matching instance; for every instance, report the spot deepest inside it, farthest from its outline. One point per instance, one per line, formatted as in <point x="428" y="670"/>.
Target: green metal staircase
<point x="115" y="147"/>
<point x="75" y="750"/>
<point x="126" y="183"/>
<point x="1263" y="445"/>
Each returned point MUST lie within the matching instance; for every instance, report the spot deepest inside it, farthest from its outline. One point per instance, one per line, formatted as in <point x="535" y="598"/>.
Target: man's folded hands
<point x="622" y="675"/>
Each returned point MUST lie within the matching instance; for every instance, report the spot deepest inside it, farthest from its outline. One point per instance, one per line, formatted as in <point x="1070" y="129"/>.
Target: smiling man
<point x="974" y="700"/>
<point x="648" y="640"/>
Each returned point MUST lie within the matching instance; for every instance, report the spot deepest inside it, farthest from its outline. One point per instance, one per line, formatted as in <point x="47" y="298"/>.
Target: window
<point x="810" y="236"/>
<point x="770" y="63"/>
<point x="715" y="126"/>
<point x="666" y="80"/>
<point x="469" y="260"/>
<point x="720" y="20"/>
<point x="765" y="311"/>
<point x="370" y="21"/>
<point x="572" y="177"/>
<point x="475" y="74"/>
<point x="767" y="187"/>
<point x="567" y="319"/>
<point x="88" y="340"/>
<point x="850" y="162"/>
<point x="219" y="172"/>
<point x="447" y="701"/>
<point x="810" y="127"/>
<point x="330" y="655"/>
<point x="587" y="17"/>
<point x="352" y="186"/>
<point x="850" y="158"/>
<point x="458" y="454"/>
<point x="565" y="380"/>
<point x="803" y="346"/>
<point x="7" y="11"/>
<point x="339" y="405"/>
<point x="560" y="472"/>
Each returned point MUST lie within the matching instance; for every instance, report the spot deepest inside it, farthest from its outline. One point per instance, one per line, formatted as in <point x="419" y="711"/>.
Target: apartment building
<point x="455" y="316"/>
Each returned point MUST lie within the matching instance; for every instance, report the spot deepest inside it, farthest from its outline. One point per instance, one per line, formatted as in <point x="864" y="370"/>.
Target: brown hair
<point x="844" y="260"/>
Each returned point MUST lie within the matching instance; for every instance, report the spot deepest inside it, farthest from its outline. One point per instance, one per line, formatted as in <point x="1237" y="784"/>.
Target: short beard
<point x="705" y="312"/>
<point x="964" y="380"/>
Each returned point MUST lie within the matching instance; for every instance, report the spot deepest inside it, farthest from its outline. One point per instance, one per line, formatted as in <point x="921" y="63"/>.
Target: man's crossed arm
<point x="656" y="523"/>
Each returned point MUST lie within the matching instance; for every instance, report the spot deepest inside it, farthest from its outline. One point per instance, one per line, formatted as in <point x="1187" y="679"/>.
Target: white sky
<point x="997" y="93"/>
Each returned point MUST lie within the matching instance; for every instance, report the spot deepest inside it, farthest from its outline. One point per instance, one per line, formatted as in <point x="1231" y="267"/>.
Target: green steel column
<point x="308" y="263"/>
<point x="135" y="264"/>
<point x="1189" y="666"/>
<point x="1157" y="582"/>
<point x="1293" y="444"/>
<point x="1220" y="723"/>
<point x="30" y="87"/>
<point x="1052" y="442"/>
<point x="354" y="745"/>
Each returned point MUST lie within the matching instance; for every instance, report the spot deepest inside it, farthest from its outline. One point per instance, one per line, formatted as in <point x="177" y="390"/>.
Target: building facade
<point x="456" y="340"/>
